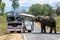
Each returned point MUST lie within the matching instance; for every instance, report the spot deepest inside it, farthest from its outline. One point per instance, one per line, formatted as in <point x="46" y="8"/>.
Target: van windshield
<point x="19" y="18"/>
<point x="10" y="18"/>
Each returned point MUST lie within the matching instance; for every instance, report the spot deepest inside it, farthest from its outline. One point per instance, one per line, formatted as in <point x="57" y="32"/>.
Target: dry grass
<point x="12" y="37"/>
<point x="3" y="24"/>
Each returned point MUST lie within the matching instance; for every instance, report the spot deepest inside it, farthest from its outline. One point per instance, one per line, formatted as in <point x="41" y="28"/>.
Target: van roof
<point x="23" y="14"/>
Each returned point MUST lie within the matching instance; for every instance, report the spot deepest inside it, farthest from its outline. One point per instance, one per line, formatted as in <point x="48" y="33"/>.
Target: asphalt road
<point x="36" y="35"/>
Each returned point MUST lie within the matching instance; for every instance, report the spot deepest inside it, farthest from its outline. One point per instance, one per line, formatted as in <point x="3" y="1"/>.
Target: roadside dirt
<point x="14" y="36"/>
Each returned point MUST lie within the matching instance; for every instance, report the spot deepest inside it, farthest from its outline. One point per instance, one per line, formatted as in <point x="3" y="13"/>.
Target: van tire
<point x="11" y="31"/>
<point x="29" y="30"/>
<point x="18" y="31"/>
<point x="23" y="31"/>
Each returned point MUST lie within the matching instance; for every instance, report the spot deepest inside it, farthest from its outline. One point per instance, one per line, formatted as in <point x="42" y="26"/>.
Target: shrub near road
<point x="58" y="23"/>
<point x="3" y="24"/>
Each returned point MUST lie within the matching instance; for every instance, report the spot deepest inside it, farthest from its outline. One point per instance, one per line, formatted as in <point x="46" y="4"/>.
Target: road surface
<point x="36" y="35"/>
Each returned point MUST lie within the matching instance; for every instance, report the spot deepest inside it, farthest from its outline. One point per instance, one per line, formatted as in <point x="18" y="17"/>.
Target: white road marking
<point x="24" y="37"/>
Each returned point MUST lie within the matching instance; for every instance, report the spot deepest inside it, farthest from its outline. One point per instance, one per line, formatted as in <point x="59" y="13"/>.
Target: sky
<point x="25" y="4"/>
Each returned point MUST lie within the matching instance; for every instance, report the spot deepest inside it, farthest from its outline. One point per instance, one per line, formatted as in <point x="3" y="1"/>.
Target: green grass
<point x="58" y="22"/>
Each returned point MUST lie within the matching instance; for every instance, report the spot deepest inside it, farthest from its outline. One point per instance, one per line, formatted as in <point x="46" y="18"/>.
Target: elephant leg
<point x="50" y="30"/>
<point x="41" y="29"/>
<point x="54" y="29"/>
<point x="44" y="29"/>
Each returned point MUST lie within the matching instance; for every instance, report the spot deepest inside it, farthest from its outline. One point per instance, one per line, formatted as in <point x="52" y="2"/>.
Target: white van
<point x="20" y="22"/>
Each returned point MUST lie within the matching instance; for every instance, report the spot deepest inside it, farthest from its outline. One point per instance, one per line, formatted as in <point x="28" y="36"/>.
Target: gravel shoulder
<point x="14" y="36"/>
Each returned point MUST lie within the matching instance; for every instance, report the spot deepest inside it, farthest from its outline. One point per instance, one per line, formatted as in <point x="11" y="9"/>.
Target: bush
<point x="3" y="24"/>
<point x="58" y="22"/>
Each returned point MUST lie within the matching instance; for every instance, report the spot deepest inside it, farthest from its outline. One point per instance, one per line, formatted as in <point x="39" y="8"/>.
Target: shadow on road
<point x="45" y="33"/>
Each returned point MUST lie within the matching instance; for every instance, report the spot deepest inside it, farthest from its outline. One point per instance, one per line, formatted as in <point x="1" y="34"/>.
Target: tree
<point x="58" y="8"/>
<point x="2" y="6"/>
<point x="36" y="9"/>
<point x="58" y="11"/>
<point x="15" y="4"/>
<point x="0" y="2"/>
<point x="47" y="9"/>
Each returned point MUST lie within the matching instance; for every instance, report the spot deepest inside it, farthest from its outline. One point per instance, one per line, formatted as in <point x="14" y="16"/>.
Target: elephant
<point x="49" y="21"/>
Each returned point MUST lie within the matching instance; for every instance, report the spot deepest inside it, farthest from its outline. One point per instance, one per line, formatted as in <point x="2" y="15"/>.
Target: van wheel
<point x="29" y="30"/>
<point x="11" y="31"/>
<point x="23" y="31"/>
<point x="18" y="31"/>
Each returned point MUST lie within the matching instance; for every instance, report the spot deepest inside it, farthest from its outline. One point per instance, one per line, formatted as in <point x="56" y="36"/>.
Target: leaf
<point x="15" y="4"/>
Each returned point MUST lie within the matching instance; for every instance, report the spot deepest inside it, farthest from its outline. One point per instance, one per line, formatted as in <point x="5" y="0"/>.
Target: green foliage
<point x="0" y="0"/>
<point x="3" y="24"/>
<point x="38" y="9"/>
<point x="15" y="4"/>
<point x="58" y="22"/>
<point x="2" y="6"/>
<point x="48" y="9"/>
<point x="58" y="10"/>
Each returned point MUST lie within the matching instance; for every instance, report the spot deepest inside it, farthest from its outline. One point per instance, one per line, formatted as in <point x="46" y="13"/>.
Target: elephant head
<point x="38" y="19"/>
